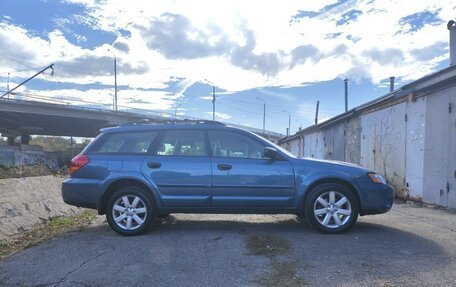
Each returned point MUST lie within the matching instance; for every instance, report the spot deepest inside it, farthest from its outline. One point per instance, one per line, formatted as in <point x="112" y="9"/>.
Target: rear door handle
<point x="224" y="166"/>
<point x="154" y="164"/>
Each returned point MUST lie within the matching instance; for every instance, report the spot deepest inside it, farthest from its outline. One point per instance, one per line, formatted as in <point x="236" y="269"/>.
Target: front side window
<point x="183" y="143"/>
<point x="128" y="142"/>
<point x="231" y="144"/>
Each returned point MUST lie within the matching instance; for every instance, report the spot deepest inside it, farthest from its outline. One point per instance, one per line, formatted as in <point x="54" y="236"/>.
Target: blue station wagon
<point x="137" y="172"/>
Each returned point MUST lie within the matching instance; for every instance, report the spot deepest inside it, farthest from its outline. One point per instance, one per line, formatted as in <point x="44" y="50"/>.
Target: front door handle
<point x="154" y="164"/>
<point x="224" y="166"/>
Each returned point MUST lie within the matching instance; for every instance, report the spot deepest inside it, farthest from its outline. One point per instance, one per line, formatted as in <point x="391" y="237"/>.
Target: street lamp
<point x="115" y="80"/>
<point x="213" y="98"/>
<point x="264" y="114"/>
<point x="289" y="122"/>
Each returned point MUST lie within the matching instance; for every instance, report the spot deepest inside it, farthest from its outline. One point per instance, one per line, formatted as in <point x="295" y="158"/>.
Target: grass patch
<point x="30" y="171"/>
<point x="268" y="245"/>
<point x="55" y="226"/>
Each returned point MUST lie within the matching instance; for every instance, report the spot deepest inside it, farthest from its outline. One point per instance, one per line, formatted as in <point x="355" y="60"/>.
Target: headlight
<point x="377" y="178"/>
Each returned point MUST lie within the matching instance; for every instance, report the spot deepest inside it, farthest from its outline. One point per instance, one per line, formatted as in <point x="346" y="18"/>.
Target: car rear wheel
<point x="130" y="211"/>
<point x="331" y="208"/>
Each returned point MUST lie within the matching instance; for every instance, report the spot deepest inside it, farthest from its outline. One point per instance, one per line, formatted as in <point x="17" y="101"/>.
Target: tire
<point x="127" y="219"/>
<point x="331" y="215"/>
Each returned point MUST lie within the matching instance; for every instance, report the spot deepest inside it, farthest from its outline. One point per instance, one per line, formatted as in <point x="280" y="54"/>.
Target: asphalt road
<point x="412" y="245"/>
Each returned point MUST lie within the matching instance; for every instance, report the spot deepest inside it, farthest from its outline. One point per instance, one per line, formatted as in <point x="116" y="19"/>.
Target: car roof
<point x="130" y="127"/>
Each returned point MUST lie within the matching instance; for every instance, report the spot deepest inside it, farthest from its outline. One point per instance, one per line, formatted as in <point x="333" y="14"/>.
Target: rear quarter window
<point x="127" y="143"/>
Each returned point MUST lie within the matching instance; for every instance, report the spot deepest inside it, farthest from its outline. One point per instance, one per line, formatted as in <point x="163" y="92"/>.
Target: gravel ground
<point x="413" y="245"/>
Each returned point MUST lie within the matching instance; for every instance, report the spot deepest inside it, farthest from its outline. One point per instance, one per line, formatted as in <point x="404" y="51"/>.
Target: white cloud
<point x="103" y="98"/>
<point x="219" y="115"/>
<point x="238" y="45"/>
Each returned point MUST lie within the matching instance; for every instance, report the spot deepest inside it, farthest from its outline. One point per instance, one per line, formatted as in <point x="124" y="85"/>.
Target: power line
<point x="295" y="112"/>
<point x="18" y="71"/>
<point x="17" y="61"/>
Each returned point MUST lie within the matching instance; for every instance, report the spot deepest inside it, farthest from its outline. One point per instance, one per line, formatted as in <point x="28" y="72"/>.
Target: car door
<point x="243" y="177"/>
<point x="180" y="169"/>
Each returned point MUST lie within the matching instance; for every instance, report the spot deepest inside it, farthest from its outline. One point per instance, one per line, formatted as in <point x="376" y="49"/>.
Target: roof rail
<point x="172" y="121"/>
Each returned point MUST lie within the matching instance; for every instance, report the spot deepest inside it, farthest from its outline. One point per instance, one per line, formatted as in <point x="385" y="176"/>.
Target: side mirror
<point x="271" y="153"/>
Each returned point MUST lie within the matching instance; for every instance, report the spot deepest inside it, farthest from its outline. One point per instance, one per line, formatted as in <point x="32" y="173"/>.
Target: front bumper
<point x="81" y="192"/>
<point x="376" y="198"/>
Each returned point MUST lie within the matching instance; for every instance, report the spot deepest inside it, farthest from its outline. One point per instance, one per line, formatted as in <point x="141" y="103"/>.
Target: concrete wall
<point x="28" y="202"/>
<point x="411" y="142"/>
<point x="28" y="155"/>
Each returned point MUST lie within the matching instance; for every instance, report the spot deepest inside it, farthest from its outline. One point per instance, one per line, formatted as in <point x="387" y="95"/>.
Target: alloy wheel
<point x="129" y="212"/>
<point x="332" y="209"/>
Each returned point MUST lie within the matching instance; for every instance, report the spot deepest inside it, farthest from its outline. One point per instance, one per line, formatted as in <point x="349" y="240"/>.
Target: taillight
<point x="77" y="162"/>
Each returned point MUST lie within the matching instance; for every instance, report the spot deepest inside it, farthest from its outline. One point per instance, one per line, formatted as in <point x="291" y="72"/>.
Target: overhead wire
<point x="16" y="61"/>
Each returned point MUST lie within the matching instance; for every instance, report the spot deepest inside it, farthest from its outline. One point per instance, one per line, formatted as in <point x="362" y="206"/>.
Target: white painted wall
<point x="295" y="147"/>
<point x="314" y="145"/>
<point x="383" y="143"/>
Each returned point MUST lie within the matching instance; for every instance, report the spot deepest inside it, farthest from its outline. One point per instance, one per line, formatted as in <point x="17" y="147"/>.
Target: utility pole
<point x="264" y="114"/>
<point x="316" y="112"/>
<point x="213" y="98"/>
<point x="13" y="89"/>
<point x="213" y="102"/>
<point x="115" y="80"/>
<point x="289" y="122"/>
<point x="346" y="94"/>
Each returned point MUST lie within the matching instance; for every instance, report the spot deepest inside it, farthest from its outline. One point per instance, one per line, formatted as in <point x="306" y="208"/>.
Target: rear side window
<point x="131" y="142"/>
<point x="183" y="143"/>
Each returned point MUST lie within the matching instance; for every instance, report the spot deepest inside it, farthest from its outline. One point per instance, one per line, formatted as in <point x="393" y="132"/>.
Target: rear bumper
<point x="81" y="192"/>
<point x="376" y="198"/>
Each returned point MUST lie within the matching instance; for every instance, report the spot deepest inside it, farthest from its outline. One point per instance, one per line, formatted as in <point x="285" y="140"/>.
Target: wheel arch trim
<point x="306" y="187"/>
<point x="115" y="183"/>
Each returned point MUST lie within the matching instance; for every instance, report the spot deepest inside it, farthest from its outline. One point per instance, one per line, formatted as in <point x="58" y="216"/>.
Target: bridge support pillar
<point x="11" y="140"/>
<point x="25" y="139"/>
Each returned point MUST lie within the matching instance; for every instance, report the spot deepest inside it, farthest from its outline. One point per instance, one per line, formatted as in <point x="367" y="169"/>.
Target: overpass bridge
<point x="25" y="117"/>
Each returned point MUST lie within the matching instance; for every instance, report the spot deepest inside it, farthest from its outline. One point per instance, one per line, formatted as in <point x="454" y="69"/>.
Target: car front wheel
<point x="331" y="208"/>
<point x="130" y="211"/>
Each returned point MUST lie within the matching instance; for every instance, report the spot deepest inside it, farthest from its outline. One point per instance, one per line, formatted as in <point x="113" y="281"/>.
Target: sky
<point x="286" y="54"/>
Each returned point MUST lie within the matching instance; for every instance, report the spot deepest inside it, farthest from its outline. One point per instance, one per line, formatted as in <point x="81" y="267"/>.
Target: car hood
<point x="339" y="165"/>
<point x="335" y="162"/>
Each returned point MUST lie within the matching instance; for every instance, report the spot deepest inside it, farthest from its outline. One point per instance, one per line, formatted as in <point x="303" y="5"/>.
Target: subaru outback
<point x="137" y="172"/>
